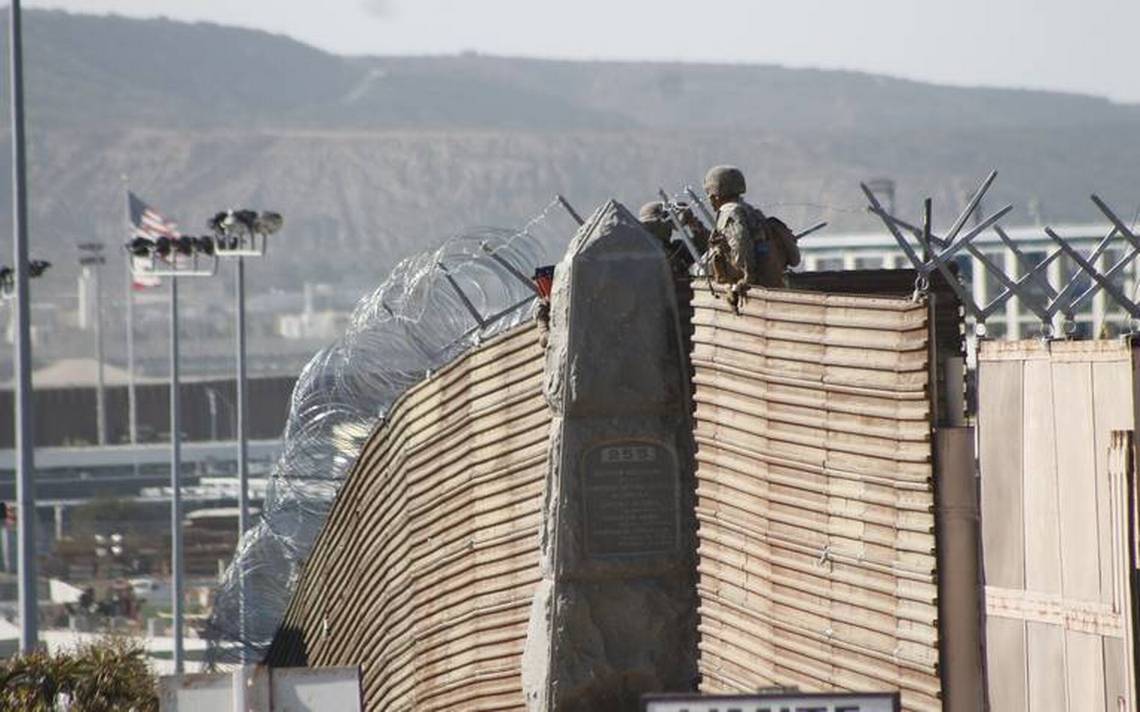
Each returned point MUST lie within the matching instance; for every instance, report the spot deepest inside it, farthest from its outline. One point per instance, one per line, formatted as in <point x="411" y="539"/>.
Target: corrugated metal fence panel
<point x="1054" y="523"/>
<point x="815" y="495"/>
<point x="424" y="572"/>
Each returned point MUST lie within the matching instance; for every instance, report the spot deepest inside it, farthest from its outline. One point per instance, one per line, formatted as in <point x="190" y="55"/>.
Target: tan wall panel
<point x="1057" y="637"/>
<point x="425" y="569"/>
<point x="815" y="495"/>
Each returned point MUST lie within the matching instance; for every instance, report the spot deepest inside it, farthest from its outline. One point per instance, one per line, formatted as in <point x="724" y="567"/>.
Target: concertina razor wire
<point x="431" y="309"/>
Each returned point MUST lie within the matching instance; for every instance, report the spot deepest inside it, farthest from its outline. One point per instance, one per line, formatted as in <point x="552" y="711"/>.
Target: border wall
<point x="1056" y="423"/>
<point x="822" y="525"/>
<point x="424" y="572"/>
<point x="816" y="495"/>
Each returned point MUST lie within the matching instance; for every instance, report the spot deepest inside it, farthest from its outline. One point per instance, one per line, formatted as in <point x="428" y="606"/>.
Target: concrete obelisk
<point x="615" y="613"/>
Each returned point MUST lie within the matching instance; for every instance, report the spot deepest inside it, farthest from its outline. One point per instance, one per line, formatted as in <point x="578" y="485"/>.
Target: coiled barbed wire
<point x="412" y="324"/>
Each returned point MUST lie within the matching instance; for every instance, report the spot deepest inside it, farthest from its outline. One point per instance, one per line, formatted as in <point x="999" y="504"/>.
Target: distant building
<point x="323" y="325"/>
<point x="317" y="320"/>
<point x="878" y="250"/>
<point x="45" y="323"/>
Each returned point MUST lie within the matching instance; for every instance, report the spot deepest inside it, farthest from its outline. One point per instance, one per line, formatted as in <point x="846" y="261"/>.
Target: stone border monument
<point x="614" y="615"/>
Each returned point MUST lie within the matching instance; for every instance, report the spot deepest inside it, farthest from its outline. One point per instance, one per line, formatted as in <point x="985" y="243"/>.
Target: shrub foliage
<point x="109" y="675"/>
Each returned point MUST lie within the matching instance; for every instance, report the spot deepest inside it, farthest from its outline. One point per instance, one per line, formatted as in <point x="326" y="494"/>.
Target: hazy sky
<point x="1087" y="46"/>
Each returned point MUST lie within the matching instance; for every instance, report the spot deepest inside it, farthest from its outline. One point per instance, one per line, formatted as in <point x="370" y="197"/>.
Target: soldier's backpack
<point x="780" y="234"/>
<point x="772" y="233"/>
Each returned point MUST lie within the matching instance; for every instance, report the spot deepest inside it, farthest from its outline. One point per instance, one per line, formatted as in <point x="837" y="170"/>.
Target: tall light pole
<point x="242" y="399"/>
<point x="25" y="439"/>
<point x="92" y="259"/>
<point x="176" y="563"/>
<point x="168" y="265"/>
<point x="240" y="234"/>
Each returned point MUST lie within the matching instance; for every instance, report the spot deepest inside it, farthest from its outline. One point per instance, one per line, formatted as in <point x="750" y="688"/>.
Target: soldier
<point x="747" y="247"/>
<point x="655" y="218"/>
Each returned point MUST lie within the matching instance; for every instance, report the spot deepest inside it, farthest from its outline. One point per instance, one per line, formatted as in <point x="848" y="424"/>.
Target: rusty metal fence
<point x="816" y="495"/>
<point x="423" y="574"/>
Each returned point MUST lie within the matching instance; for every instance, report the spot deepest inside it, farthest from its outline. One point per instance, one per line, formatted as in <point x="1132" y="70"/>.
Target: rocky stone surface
<point x="615" y="613"/>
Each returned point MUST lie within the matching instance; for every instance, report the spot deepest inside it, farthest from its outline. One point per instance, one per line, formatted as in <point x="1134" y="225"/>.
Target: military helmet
<point x="725" y="181"/>
<point x="655" y="218"/>
<point x="653" y="212"/>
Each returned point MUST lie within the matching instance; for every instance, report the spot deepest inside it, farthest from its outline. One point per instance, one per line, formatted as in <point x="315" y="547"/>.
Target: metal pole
<point x="573" y="213"/>
<point x="175" y="485"/>
<point x="132" y="405"/>
<point x="100" y="389"/>
<point x="243" y="446"/>
<point x="25" y="439"/>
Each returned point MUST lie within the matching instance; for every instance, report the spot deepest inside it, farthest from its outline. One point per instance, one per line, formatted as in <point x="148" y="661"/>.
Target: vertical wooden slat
<point x="1122" y="479"/>
<point x="1000" y="434"/>
<point x="1007" y="664"/>
<point x="1045" y="644"/>
<point x="999" y="449"/>
<point x="1081" y="556"/>
<point x="1047" y="664"/>
<point x="1112" y="410"/>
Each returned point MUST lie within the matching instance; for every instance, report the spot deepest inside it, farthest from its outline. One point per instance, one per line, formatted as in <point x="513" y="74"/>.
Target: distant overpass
<point x="79" y="473"/>
<point x="92" y="456"/>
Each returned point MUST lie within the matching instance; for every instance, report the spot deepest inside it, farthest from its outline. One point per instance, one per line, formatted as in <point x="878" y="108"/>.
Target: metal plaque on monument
<point x="614" y="616"/>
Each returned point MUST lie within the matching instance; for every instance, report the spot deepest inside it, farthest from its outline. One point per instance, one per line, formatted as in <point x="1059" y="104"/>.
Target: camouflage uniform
<point x="772" y="248"/>
<point x="747" y="247"/>
<point x="655" y="219"/>
<point x="736" y="232"/>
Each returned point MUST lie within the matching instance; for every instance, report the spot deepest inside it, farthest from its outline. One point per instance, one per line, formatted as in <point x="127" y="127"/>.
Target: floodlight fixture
<point x="182" y="256"/>
<point x="243" y="233"/>
<point x="36" y="268"/>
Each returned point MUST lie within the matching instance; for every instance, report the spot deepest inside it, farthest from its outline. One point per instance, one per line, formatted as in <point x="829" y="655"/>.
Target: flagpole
<point x="132" y="414"/>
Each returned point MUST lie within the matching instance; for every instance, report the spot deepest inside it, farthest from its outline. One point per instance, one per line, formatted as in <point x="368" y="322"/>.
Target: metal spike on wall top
<point x="928" y="252"/>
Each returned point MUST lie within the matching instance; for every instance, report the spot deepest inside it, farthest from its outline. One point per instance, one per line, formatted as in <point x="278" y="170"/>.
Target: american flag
<point x="147" y="222"/>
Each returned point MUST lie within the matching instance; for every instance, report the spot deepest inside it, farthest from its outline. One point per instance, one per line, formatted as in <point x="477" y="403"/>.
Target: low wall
<point x="424" y="572"/>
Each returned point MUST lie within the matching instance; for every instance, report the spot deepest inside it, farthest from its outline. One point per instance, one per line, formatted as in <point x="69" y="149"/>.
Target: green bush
<point x="111" y="675"/>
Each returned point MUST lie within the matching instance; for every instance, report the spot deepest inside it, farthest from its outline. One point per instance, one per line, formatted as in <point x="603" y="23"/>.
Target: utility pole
<point x="25" y="438"/>
<point x="92" y="259"/>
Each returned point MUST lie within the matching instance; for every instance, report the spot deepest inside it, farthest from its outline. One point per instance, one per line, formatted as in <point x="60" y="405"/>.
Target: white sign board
<point x="781" y="702"/>
<point x="263" y="690"/>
